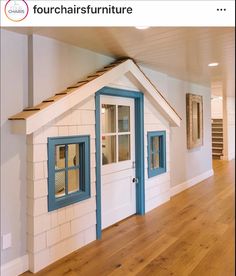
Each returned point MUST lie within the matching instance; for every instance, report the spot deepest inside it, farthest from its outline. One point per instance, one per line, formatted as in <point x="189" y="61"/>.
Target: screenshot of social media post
<point x="117" y="138"/>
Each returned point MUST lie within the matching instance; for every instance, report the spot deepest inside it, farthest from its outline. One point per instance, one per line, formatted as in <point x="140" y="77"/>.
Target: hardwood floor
<point x="192" y="234"/>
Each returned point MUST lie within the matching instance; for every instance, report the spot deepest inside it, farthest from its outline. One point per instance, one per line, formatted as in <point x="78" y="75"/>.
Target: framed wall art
<point x="194" y="108"/>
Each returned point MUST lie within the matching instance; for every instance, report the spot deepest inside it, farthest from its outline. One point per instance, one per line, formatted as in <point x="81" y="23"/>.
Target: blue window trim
<point x="139" y="150"/>
<point x="162" y="153"/>
<point x="84" y="143"/>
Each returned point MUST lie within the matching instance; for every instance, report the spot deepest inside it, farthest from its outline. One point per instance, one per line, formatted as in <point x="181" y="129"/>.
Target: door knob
<point x="135" y="180"/>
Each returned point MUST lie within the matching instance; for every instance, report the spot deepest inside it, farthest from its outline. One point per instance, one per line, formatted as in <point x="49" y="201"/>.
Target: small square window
<point x="68" y="170"/>
<point x="156" y="153"/>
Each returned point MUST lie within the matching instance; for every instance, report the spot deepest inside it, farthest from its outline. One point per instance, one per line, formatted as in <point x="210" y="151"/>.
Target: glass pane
<point x="155" y="162"/>
<point x="73" y="181"/>
<point x="60" y="184"/>
<point x="196" y="120"/>
<point x="124" y="147"/>
<point x="108" y="149"/>
<point x="108" y="118"/>
<point x="123" y="118"/>
<point x="73" y="155"/>
<point x="60" y="154"/>
<point x="155" y="144"/>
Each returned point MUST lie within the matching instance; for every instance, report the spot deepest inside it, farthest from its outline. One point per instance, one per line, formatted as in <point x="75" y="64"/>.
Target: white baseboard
<point x="228" y="158"/>
<point x="191" y="182"/>
<point x="157" y="201"/>
<point x="232" y="157"/>
<point x="15" y="267"/>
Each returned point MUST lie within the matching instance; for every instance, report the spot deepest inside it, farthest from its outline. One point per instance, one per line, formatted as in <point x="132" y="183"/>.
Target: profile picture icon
<point x="16" y="10"/>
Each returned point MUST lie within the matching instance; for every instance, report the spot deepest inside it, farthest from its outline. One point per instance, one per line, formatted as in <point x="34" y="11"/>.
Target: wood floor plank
<point x="189" y="249"/>
<point x="137" y="260"/>
<point x="192" y="234"/>
<point x="220" y="259"/>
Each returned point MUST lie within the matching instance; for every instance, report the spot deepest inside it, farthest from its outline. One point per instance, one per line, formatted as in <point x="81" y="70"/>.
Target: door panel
<point x="118" y="158"/>
<point x="117" y="205"/>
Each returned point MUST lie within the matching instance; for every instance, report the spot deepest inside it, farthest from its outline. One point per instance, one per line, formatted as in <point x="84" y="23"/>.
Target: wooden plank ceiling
<point x="182" y="52"/>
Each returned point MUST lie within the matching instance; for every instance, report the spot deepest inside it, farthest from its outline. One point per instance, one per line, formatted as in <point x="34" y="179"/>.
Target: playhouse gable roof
<point x="32" y="118"/>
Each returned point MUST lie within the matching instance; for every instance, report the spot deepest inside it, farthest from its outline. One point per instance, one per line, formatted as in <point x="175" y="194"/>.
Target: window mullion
<point x="59" y="170"/>
<point x="152" y="145"/>
<point x="81" y="170"/>
<point x="117" y="141"/>
<point x="152" y="159"/>
<point x="66" y="170"/>
<point x="74" y="168"/>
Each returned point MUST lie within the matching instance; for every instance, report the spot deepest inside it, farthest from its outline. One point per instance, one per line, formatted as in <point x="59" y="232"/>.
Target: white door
<point x="118" y="195"/>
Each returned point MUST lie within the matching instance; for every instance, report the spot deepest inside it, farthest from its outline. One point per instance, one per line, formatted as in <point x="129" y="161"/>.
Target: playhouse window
<point x="68" y="170"/>
<point x="156" y="153"/>
<point x="116" y="133"/>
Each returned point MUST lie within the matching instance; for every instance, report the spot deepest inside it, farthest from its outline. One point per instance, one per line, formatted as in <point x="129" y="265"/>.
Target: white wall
<point x="224" y="108"/>
<point x="13" y="147"/>
<point x="199" y="160"/>
<point x="58" y="65"/>
<point x="217" y="108"/>
<point x="229" y="127"/>
<point x="185" y="164"/>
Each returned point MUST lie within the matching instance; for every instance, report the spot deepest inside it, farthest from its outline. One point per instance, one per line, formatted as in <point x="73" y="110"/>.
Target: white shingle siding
<point x="157" y="188"/>
<point x="53" y="235"/>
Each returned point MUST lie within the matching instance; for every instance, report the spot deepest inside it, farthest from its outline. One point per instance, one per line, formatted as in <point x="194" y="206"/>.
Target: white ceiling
<point x="180" y="52"/>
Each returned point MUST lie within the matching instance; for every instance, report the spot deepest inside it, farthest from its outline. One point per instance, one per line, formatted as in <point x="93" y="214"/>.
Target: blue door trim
<point x="139" y="149"/>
